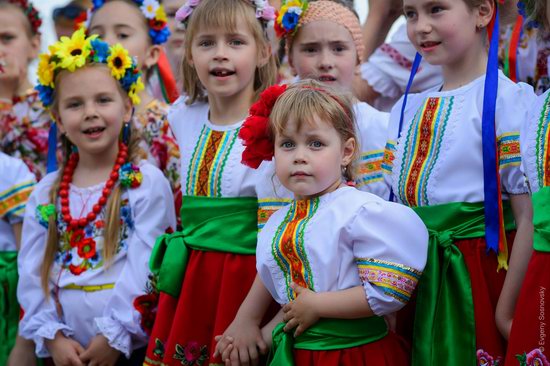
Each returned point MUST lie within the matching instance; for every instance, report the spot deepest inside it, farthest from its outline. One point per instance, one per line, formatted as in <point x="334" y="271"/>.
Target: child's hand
<point x="65" y="351"/>
<point x="100" y="353"/>
<point x="22" y="353"/>
<point x="241" y="343"/>
<point x="302" y="312"/>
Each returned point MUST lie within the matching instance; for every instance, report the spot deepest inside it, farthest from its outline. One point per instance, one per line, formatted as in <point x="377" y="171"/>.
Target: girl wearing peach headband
<point x="324" y="42"/>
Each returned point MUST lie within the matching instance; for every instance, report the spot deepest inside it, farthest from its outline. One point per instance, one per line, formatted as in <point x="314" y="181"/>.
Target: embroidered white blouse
<point x="211" y="161"/>
<point x="16" y="184"/>
<point x="535" y="152"/>
<point x="387" y="70"/>
<point x="94" y="299"/>
<point x="372" y="126"/>
<point x="340" y="240"/>
<point x="438" y="158"/>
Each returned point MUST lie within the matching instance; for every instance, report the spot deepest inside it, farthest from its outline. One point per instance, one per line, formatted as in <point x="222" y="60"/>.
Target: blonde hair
<point x="225" y="14"/>
<point x="112" y="209"/>
<point x="307" y="99"/>
<point x="536" y="10"/>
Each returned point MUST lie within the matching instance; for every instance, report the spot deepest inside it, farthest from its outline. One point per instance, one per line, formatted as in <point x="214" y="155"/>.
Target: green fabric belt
<point x="9" y="308"/>
<point x="209" y="224"/>
<point x="326" y="335"/>
<point x="444" y="324"/>
<point x="541" y="220"/>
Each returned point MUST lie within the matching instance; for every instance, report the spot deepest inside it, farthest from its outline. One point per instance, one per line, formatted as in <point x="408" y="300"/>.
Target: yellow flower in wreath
<point x="72" y="52"/>
<point x="45" y="70"/>
<point x="118" y="61"/>
<point x="134" y="90"/>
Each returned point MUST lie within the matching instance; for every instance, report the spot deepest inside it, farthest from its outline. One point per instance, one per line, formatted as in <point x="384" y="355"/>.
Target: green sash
<point x="209" y="224"/>
<point x="444" y="324"/>
<point x="326" y="335"/>
<point x="541" y="220"/>
<point x="9" y="308"/>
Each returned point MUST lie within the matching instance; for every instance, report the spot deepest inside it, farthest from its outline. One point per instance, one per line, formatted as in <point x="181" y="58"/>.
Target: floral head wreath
<point x="152" y="10"/>
<point x="78" y="51"/>
<point x="288" y="17"/>
<point x="30" y="11"/>
<point x="264" y="11"/>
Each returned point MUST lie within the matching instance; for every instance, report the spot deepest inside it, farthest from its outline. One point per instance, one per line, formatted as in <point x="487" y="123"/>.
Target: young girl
<point x="23" y="122"/>
<point x="334" y="258"/>
<point x="444" y="163"/>
<point x="528" y="344"/>
<point x="89" y="228"/>
<point x="324" y="42"/>
<point x="206" y="270"/>
<point x="141" y="27"/>
<point x="16" y="184"/>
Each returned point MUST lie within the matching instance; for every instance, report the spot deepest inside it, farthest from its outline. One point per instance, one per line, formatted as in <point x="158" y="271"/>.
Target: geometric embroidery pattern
<point x="14" y="199"/>
<point x="508" y="147"/>
<point x="267" y="207"/>
<point x="370" y="167"/>
<point x="389" y="157"/>
<point x="543" y="140"/>
<point x="395" y="280"/>
<point x="288" y="245"/>
<point x="421" y="150"/>
<point x="205" y="171"/>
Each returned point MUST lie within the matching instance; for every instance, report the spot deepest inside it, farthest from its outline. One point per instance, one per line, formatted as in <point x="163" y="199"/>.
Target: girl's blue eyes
<point x="313" y="144"/>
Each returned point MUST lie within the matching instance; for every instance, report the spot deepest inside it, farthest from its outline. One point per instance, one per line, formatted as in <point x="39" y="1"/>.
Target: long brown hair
<point x="112" y="209"/>
<point x="225" y="14"/>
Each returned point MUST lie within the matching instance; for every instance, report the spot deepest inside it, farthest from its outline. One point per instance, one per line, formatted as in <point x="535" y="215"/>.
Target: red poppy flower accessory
<point x="254" y="131"/>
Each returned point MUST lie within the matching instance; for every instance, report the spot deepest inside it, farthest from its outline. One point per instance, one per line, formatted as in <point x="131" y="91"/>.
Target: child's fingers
<point x="262" y="346"/>
<point x="253" y="354"/>
<point x="291" y="324"/>
<point x="79" y="349"/>
<point x="299" y="330"/>
<point x="244" y="358"/>
<point x="226" y="352"/>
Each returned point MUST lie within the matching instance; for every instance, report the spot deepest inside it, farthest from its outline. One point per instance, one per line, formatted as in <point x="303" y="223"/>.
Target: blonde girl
<point x="206" y="269"/>
<point x="325" y="257"/>
<point x="89" y="227"/>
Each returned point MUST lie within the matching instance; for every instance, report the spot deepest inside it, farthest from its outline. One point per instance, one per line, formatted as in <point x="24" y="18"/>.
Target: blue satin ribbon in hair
<point x="51" y="164"/>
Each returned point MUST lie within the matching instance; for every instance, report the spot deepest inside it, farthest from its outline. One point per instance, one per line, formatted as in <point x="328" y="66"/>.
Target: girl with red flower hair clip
<point x="206" y="270"/>
<point x="334" y="258"/>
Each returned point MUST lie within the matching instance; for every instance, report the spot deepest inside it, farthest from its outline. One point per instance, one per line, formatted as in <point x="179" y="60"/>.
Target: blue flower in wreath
<point x="101" y="50"/>
<point x="45" y="93"/>
<point x="290" y="20"/>
<point x="159" y="36"/>
<point x="98" y="3"/>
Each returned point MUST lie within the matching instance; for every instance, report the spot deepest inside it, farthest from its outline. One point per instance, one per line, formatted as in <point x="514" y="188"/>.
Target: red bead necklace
<point x="96" y="209"/>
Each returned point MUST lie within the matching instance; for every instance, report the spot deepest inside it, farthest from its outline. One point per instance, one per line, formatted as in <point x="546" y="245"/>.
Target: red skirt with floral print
<point x="529" y="342"/>
<point x="213" y="289"/>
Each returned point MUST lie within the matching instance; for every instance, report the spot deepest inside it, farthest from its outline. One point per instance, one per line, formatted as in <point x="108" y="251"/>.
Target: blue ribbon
<point x="51" y="164"/>
<point x="488" y="132"/>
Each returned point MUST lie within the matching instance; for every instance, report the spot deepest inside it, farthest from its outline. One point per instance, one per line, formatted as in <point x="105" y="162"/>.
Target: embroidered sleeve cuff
<point x="48" y="331"/>
<point x="395" y="281"/>
<point x="119" y="338"/>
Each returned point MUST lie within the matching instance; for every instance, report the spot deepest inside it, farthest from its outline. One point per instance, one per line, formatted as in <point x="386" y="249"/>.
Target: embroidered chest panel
<point x="288" y="247"/>
<point x="370" y="168"/>
<point x="542" y="142"/>
<point x="421" y="149"/>
<point x="81" y="250"/>
<point x="208" y="160"/>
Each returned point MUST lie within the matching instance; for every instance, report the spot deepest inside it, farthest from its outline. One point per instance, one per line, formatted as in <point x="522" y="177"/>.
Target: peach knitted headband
<point x="314" y="11"/>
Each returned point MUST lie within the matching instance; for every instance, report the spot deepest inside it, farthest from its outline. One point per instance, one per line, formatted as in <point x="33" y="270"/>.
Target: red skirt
<point x="389" y="351"/>
<point x="213" y="289"/>
<point x="530" y="329"/>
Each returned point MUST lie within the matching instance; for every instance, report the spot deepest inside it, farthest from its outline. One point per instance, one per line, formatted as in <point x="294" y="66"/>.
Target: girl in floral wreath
<point x="324" y="42"/>
<point x="206" y="270"/>
<point x="141" y="27"/>
<point x="334" y="258"/>
<point x="453" y="156"/>
<point x="527" y="343"/>
<point x="23" y="122"/>
<point x="90" y="226"/>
